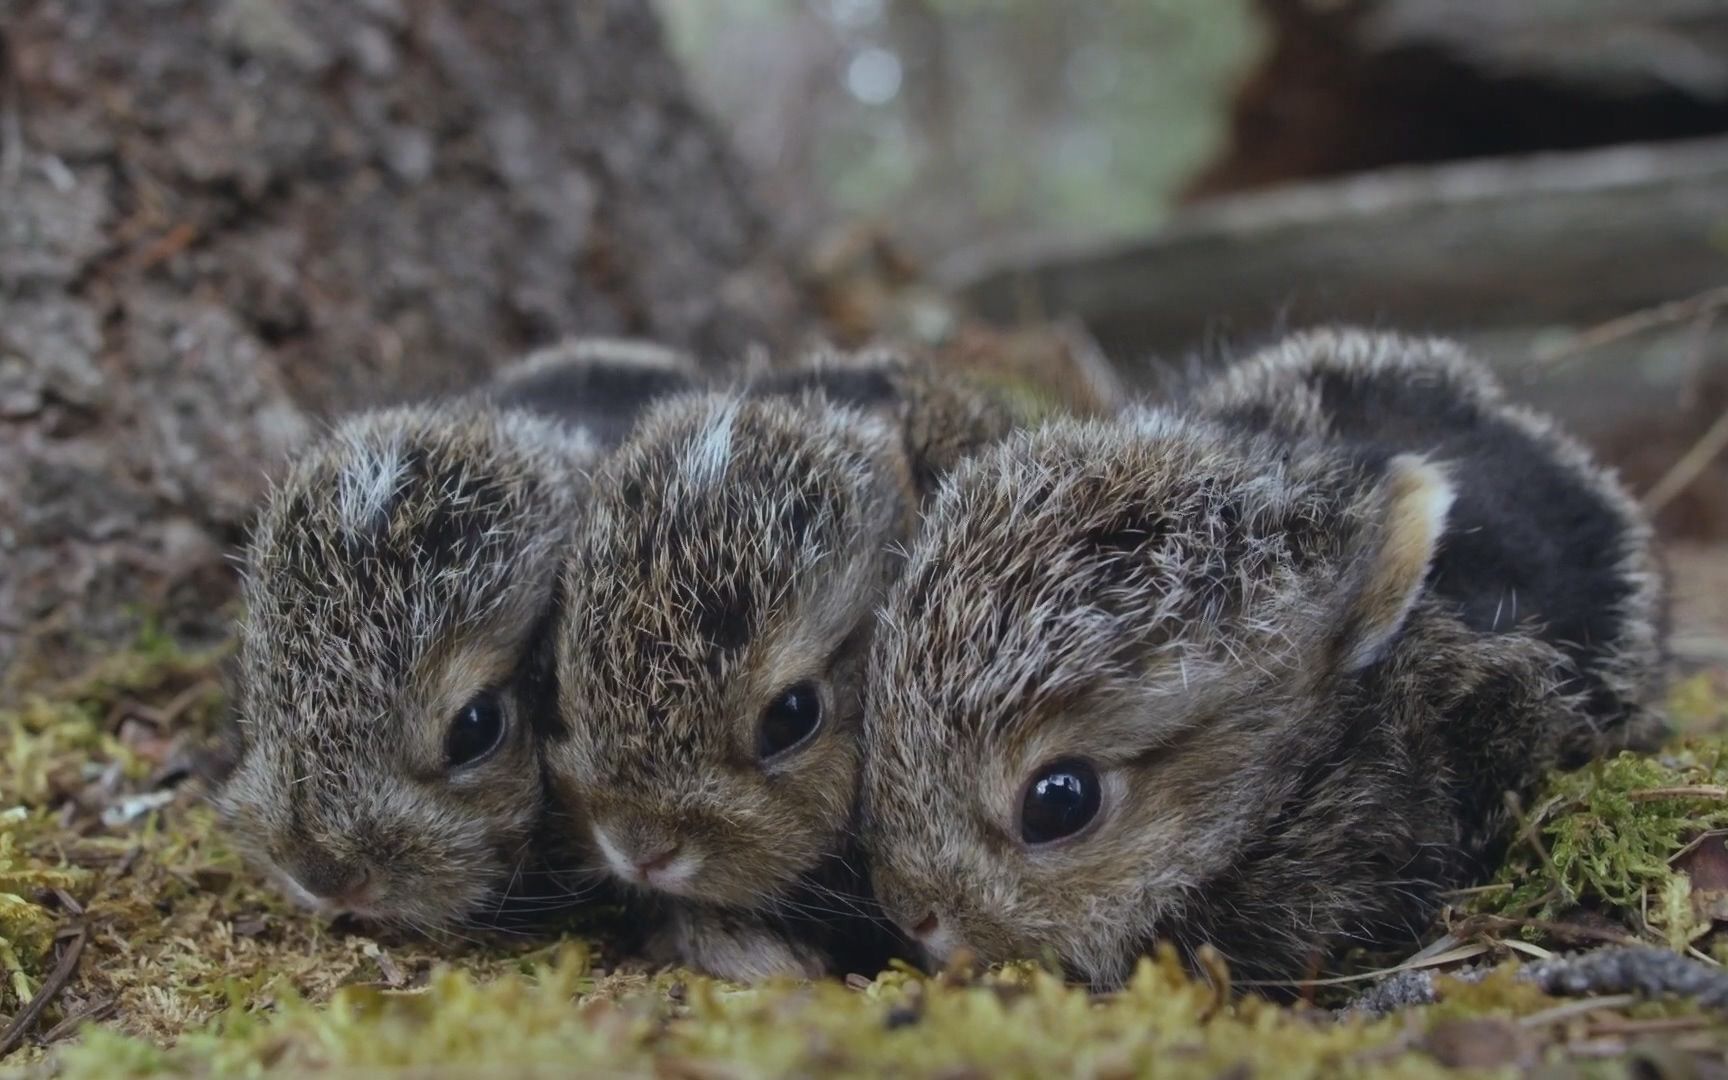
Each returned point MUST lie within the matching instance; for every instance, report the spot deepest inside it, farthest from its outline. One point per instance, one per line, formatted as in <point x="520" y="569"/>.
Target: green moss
<point x="1608" y="836"/>
<point x="562" y="1017"/>
<point x="1697" y="706"/>
<point x="1500" y="994"/>
<point x="1610" y="842"/>
<point x="1616" y="836"/>
<point x="201" y="968"/>
<point x="26" y="929"/>
<point x="53" y="747"/>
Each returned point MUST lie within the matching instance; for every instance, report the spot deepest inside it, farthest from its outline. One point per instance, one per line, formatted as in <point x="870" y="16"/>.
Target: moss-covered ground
<point x="137" y="943"/>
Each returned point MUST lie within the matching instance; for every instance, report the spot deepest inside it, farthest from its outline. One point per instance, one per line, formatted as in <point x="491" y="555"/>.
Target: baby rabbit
<point x="1541" y="533"/>
<point x="719" y="600"/>
<point x="1253" y="681"/>
<point x="394" y="677"/>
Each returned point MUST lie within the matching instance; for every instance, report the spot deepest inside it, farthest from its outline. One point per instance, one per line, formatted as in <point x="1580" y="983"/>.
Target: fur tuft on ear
<point x="1415" y="499"/>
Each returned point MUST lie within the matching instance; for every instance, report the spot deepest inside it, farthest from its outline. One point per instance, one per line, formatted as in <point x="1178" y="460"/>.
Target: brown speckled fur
<point x="1380" y="393"/>
<point x="1290" y="763"/>
<point x="738" y="544"/>
<point x="401" y="567"/>
<point x="407" y="562"/>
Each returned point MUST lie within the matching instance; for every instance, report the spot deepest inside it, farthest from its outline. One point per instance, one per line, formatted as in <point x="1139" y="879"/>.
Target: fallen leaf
<point x="1705" y="864"/>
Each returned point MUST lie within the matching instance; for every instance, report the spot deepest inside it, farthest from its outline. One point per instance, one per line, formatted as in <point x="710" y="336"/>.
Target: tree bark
<point x="220" y="218"/>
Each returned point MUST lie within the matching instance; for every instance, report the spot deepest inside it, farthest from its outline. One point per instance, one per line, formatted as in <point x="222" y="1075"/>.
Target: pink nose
<point x="335" y="882"/>
<point x="658" y="861"/>
<point x="926" y="926"/>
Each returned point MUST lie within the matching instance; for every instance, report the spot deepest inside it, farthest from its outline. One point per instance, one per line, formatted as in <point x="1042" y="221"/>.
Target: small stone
<point x="1477" y="1044"/>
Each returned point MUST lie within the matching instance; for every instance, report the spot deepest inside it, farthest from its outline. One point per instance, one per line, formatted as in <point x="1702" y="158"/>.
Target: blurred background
<point x="958" y="122"/>
<point x="1176" y="180"/>
<point x="224" y="220"/>
<point x="952" y="123"/>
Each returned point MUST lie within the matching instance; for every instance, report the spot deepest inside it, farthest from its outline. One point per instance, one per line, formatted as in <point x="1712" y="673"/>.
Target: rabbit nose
<point x="656" y="861"/>
<point x="646" y="865"/>
<point x="331" y="879"/>
<point x="935" y="937"/>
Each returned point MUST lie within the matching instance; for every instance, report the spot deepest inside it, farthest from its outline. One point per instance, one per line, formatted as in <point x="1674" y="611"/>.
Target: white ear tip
<point x="1422" y="490"/>
<point x="1419" y="496"/>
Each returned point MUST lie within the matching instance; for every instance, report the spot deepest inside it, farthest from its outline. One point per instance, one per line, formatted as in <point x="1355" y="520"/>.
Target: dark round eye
<point x="476" y="730"/>
<point x="1061" y="799"/>
<point x="789" y="719"/>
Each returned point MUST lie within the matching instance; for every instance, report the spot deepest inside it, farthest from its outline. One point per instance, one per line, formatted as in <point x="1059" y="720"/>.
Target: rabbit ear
<point x="598" y="385"/>
<point x="1415" y="498"/>
<point x="843" y="379"/>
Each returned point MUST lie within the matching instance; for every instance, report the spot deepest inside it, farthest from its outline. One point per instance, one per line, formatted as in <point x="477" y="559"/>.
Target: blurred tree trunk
<point x="219" y="218"/>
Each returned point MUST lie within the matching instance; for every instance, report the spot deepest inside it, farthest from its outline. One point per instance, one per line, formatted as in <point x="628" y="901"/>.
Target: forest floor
<point x="133" y="940"/>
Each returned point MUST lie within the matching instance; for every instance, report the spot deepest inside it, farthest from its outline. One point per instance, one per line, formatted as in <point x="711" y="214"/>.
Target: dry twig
<point x="1690" y="466"/>
<point x="1695" y="791"/>
<point x="1692" y="307"/>
<point x="21" y="1025"/>
<point x="95" y="1011"/>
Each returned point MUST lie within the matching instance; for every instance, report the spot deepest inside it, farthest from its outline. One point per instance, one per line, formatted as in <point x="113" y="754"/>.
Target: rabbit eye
<point x="789" y="720"/>
<point x="1062" y="799"/>
<point x="475" y="731"/>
